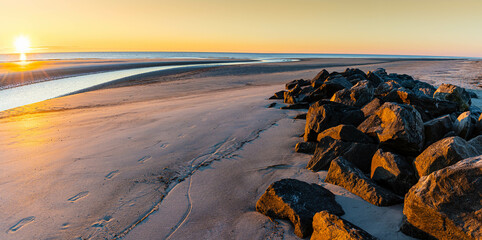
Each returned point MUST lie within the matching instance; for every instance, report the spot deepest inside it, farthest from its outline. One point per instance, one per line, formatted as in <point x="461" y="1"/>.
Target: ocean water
<point x="199" y="55"/>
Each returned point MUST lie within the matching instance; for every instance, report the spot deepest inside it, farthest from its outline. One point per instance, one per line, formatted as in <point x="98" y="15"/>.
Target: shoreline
<point x="125" y="145"/>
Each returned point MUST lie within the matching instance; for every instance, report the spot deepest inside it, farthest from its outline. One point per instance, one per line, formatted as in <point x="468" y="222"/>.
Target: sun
<point x="22" y="46"/>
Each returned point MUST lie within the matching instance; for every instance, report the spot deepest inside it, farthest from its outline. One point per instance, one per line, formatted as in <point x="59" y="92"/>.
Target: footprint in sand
<point x="65" y="226"/>
<point x="20" y="224"/>
<point x="102" y="222"/>
<point x="78" y="196"/>
<point x="164" y="145"/>
<point x="111" y="174"/>
<point x="143" y="159"/>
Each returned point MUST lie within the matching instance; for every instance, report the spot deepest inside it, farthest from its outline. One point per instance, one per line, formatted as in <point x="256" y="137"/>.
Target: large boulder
<point x="392" y="171"/>
<point x="386" y="87"/>
<point x="465" y="125"/>
<point x="324" y="91"/>
<point x="297" y="202"/>
<point x="454" y="93"/>
<point x="318" y="80"/>
<point x="346" y="133"/>
<point x="476" y="142"/>
<point x="371" y="107"/>
<point x="339" y="79"/>
<point x="291" y="95"/>
<point x="357" y="96"/>
<point x="327" y="226"/>
<point x="324" y="114"/>
<point x="328" y="149"/>
<point x="397" y="126"/>
<point x="437" y="128"/>
<point x="443" y="153"/>
<point x="345" y="174"/>
<point x="447" y="204"/>
<point x="305" y="147"/>
<point x="278" y="95"/>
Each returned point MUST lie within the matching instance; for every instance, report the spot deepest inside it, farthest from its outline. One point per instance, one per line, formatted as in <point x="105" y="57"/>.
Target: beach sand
<point x="179" y="156"/>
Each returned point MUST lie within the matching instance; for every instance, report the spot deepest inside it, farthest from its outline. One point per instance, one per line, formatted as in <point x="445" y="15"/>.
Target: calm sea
<point x="200" y="55"/>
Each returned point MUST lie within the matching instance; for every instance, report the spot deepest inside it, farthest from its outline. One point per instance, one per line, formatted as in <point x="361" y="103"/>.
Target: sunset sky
<point x="421" y="27"/>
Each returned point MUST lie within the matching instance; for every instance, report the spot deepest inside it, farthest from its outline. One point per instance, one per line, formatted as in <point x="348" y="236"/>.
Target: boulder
<point x="428" y="107"/>
<point x="278" y="95"/>
<point x="443" y="153"/>
<point x="345" y="174"/>
<point x="476" y="142"/>
<point x="305" y="147"/>
<point x="385" y="87"/>
<point x="472" y="94"/>
<point x="327" y="226"/>
<point x="318" y="80"/>
<point x="346" y="133"/>
<point x="447" y="203"/>
<point x="436" y="129"/>
<point x="465" y="125"/>
<point x="392" y="171"/>
<point x="291" y="95"/>
<point x="328" y="149"/>
<point x="324" y="114"/>
<point x="297" y="202"/>
<point x="423" y="89"/>
<point x="325" y="91"/>
<point x="299" y="82"/>
<point x="374" y="78"/>
<point x="396" y="126"/>
<point x="371" y="107"/>
<point x="357" y="96"/>
<point x="455" y="94"/>
<point x="339" y="79"/>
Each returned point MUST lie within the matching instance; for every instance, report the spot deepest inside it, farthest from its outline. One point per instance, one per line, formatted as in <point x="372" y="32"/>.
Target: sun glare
<point x="22" y="46"/>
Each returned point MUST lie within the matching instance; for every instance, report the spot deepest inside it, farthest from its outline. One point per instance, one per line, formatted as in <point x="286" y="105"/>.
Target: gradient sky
<point x="421" y="27"/>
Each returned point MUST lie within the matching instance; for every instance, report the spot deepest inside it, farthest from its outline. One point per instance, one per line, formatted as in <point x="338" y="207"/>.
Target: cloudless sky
<point x="420" y="27"/>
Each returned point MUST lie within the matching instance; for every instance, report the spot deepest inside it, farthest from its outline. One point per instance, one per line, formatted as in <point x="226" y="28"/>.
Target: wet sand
<point x="180" y="156"/>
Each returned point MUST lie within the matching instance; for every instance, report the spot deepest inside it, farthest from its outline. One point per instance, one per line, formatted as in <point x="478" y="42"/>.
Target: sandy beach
<point x="176" y="154"/>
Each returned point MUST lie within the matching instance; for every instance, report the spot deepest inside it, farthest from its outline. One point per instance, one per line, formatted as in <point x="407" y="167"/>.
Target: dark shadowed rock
<point x="318" y="80"/>
<point x="339" y="79"/>
<point x="392" y="171"/>
<point x="385" y="87"/>
<point x="345" y="174"/>
<point x="300" y="116"/>
<point x="465" y="125"/>
<point x="346" y="133"/>
<point x="324" y="114"/>
<point x="447" y="203"/>
<point x="455" y="94"/>
<point x="327" y="226"/>
<point x="325" y="91"/>
<point x="328" y="149"/>
<point x="374" y="78"/>
<point x="305" y="147"/>
<point x="423" y="89"/>
<point x="299" y="82"/>
<point x="371" y="107"/>
<point x="291" y="95"/>
<point x="436" y="129"/>
<point x="443" y="153"/>
<point x="357" y="96"/>
<point x="297" y="202"/>
<point x="278" y="95"/>
<point x="271" y="105"/>
<point x="476" y="142"/>
<point x="397" y="126"/>
<point x="472" y="94"/>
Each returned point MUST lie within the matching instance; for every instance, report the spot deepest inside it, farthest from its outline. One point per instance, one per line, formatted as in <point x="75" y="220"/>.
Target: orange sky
<point x="422" y="27"/>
